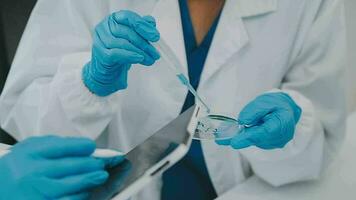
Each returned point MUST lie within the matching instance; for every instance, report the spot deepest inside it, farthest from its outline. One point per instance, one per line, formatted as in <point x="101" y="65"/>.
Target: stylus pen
<point x="98" y="153"/>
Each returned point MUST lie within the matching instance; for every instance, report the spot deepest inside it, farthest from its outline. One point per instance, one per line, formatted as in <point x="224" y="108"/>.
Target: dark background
<point x="13" y="18"/>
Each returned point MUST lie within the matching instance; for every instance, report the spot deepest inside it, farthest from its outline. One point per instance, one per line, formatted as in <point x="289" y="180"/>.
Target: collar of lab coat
<point x="250" y="8"/>
<point x="230" y="36"/>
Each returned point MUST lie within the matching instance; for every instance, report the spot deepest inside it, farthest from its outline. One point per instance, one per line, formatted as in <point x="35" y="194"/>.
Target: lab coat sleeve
<point x="4" y="146"/>
<point x="3" y="149"/>
<point x="44" y="93"/>
<point x="315" y="81"/>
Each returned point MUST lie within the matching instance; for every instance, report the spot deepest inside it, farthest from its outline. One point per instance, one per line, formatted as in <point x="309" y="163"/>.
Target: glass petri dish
<point x="217" y="127"/>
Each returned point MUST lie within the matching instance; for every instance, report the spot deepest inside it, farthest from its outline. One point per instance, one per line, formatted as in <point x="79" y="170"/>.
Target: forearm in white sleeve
<point x="44" y="93"/>
<point x="316" y="83"/>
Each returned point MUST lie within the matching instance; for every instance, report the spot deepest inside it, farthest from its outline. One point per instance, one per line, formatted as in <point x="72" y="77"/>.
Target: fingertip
<point x="112" y="162"/>
<point x="89" y="143"/>
<point x="105" y="175"/>
<point x="148" y="62"/>
<point x="139" y="58"/>
<point x="98" y="177"/>
<point x="158" y="56"/>
<point x="133" y="57"/>
<point x="147" y="31"/>
<point x="86" y="145"/>
<point x="156" y="37"/>
<point x="150" y="19"/>
<point x="108" y="157"/>
<point x="101" y="173"/>
<point x="125" y="16"/>
<point x="153" y="52"/>
<point x="100" y="163"/>
<point x="117" y="160"/>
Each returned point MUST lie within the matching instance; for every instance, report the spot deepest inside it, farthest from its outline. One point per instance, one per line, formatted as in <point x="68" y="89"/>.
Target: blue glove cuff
<point x="97" y="87"/>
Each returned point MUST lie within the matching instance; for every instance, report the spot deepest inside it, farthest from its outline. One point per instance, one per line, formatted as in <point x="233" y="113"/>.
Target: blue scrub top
<point x="189" y="178"/>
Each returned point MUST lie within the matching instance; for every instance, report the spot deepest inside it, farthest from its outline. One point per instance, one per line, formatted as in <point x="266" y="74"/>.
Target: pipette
<point x="175" y="65"/>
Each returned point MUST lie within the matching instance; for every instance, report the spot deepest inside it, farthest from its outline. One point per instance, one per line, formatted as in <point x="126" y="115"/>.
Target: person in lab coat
<point x="279" y="65"/>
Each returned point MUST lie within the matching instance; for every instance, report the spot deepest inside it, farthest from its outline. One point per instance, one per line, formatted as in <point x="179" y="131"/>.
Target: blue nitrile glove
<point x="50" y="168"/>
<point x="121" y="39"/>
<point x="272" y="117"/>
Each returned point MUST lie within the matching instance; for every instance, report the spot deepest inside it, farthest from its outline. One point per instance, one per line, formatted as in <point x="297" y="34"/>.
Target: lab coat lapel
<point x="224" y="164"/>
<point x="169" y="24"/>
<point x="231" y="35"/>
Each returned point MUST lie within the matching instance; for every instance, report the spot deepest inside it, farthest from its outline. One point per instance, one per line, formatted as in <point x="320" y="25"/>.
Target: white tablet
<point x="148" y="160"/>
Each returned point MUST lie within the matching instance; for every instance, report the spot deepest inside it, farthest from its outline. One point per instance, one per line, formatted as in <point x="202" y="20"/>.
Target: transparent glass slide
<point x="206" y="126"/>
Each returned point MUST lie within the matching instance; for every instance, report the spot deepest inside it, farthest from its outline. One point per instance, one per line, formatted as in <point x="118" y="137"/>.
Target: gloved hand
<point x="271" y="120"/>
<point x="121" y="39"/>
<point x="50" y="168"/>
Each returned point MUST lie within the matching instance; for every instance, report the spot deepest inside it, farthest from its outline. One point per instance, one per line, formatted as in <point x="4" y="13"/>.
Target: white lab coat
<point x="259" y="45"/>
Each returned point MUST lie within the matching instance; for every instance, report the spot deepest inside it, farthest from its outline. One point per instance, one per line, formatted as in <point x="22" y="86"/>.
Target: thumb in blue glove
<point x="272" y="119"/>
